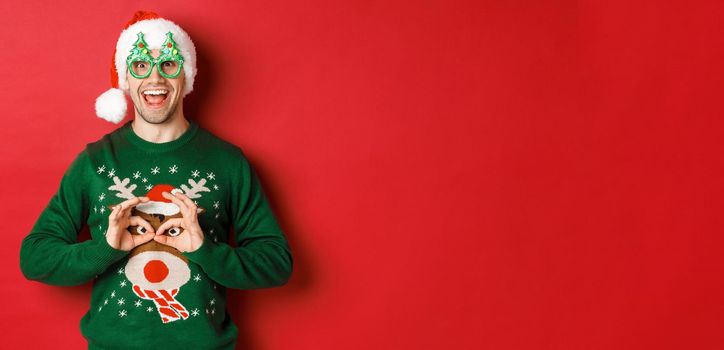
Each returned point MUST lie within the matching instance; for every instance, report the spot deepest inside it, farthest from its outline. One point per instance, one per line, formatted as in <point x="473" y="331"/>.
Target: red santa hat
<point x="112" y="105"/>
<point x="157" y="203"/>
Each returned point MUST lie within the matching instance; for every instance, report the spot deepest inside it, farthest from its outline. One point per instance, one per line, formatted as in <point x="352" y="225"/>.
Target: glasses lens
<point x="141" y="68"/>
<point x="170" y="68"/>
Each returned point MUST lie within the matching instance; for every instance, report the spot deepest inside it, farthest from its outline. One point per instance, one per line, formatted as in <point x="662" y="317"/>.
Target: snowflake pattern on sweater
<point x="155" y="273"/>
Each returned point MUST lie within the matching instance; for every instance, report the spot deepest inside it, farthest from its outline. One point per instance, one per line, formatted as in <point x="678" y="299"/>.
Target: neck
<point x="167" y="131"/>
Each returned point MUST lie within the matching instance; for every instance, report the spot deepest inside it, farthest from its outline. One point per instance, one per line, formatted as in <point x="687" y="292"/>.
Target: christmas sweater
<point x="156" y="296"/>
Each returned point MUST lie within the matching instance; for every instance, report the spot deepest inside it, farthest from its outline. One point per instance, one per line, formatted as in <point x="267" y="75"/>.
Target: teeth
<point x="155" y="92"/>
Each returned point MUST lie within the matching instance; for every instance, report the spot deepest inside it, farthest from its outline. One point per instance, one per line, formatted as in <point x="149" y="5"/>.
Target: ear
<point x="200" y="210"/>
<point x="127" y="89"/>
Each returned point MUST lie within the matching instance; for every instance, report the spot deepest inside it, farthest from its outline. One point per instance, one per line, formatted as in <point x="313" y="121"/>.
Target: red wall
<point x="451" y="174"/>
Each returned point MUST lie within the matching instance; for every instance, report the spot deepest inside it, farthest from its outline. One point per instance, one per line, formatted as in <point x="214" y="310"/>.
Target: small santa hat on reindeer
<point x="112" y="105"/>
<point x="158" y="204"/>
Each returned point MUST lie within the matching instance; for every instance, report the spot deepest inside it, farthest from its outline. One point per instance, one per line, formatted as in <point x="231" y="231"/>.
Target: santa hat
<point x="157" y="203"/>
<point x="111" y="105"/>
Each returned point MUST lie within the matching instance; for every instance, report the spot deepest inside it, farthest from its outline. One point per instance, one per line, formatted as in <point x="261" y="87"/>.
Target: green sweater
<point x="156" y="297"/>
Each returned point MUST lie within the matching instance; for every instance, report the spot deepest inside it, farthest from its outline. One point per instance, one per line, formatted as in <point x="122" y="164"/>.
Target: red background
<point x="458" y="175"/>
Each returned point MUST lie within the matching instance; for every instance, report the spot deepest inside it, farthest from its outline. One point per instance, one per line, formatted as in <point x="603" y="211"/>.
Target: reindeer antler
<point x="120" y="187"/>
<point x="196" y="187"/>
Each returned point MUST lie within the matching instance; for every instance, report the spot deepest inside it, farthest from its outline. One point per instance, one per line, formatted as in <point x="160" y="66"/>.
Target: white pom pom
<point x="111" y="105"/>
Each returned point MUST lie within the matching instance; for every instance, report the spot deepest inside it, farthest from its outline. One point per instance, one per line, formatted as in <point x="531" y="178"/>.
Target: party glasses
<point x="140" y="62"/>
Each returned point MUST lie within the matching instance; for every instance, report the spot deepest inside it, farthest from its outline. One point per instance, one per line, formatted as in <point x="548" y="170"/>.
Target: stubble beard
<point x="155" y="119"/>
<point x="160" y="119"/>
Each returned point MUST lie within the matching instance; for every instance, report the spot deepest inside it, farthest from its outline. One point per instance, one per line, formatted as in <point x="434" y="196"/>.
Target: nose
<point x="155" y="75"/>
<point x="155" y="271"/>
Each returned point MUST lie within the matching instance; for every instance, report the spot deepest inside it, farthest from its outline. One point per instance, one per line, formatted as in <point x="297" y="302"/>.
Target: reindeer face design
<point x="156" y="220"/>
<point x="153" y="265"/>
<point x="156" y="270"/>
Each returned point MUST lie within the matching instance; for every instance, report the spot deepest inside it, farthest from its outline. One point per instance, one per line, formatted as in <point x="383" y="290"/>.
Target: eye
<point x="139" y="229"/>
<point x="174" y="231"/>
<point x="169" y="67"/>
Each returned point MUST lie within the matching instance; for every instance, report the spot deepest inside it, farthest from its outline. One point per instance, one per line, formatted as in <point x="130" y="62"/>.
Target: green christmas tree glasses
<point x="169" y="62"/>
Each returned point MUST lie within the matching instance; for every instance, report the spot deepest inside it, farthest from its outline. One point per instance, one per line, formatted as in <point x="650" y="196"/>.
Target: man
<point x="158" y="195"/>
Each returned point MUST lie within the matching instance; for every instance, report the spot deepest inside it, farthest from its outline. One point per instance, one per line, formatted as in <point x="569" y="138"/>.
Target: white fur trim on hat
<point x="153" y="207"/>
<point x="154" y="33"/>
<point x="112" y="105"/>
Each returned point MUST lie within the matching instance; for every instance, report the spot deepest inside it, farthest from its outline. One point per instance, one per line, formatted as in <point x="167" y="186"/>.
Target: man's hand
<point x="120" y="219"/>
<point x="192" y="236"/>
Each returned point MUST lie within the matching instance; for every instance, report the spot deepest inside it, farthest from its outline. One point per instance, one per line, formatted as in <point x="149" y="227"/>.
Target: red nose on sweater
<point x="155" y="271"/>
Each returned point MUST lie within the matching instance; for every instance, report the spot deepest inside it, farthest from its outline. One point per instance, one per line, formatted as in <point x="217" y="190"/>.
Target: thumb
<point x="163" y="239"/>
<point x="141" y="239"/>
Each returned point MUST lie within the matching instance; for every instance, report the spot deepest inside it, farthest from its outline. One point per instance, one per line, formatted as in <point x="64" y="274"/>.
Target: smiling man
<point x="158" y="195"/>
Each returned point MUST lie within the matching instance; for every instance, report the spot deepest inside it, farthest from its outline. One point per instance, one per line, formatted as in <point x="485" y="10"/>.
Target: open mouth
<point x="155" y="98"/>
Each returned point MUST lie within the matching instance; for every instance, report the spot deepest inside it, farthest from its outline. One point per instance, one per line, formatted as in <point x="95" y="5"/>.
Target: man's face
<point x="156" y="98"/>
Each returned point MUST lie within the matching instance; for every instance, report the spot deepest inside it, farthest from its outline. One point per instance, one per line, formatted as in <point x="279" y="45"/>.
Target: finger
<point x="129" y="210"/>
<point x="189" y="204"/>
<point x="175" y="222"/>
<point x="130" y="203"/>
<point x="139" y="221"/>
<point x="113" y="216"/>
<point x="181" y="205"/>
<point x="140" y="239"/>
<point x="162" y="239"/>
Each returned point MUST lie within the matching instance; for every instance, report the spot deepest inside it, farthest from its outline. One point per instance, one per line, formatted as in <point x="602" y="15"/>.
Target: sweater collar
<point x="153" y="147"/>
